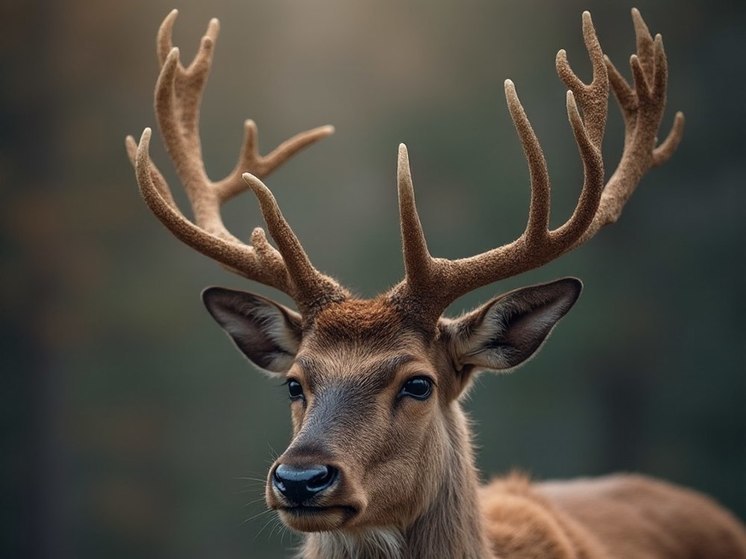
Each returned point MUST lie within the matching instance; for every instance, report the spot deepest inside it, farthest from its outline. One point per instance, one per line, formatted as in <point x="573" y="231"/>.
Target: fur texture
<point x="614" y="517"/>
<point x="408" y="487"/>
<point x="404" y="484"/>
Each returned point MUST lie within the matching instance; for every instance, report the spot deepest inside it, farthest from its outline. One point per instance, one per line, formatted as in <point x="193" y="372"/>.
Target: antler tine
<point x="417" y="259"/>
<point x="158" y="181"/>
<point x="264" y="266"/>
<point x="318" y="290"/>
<point x="164" y="38"/>
<point x="538" y="244"/>
<point x="178" y="95"/>
<point x="538" y="215"/>
<point x="668" y="147"/>
<point x="642" y="108"/>
<point x="434" y="283"/>
<point x="644" y="43"/>
<point x="263" y="165"/>
<point x="593" y="97"/>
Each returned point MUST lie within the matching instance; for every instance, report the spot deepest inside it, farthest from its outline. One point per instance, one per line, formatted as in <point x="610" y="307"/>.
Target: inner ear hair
<point x="266" y="332"/>
<point x="509" y="330"/>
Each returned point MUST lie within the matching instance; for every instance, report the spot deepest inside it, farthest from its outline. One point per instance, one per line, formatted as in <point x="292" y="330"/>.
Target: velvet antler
<point x="178" y="94"/>
<point x="431" y="284"/>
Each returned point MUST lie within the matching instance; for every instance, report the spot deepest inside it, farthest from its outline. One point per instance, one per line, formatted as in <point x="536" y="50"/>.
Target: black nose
<point x="299" y="483"/>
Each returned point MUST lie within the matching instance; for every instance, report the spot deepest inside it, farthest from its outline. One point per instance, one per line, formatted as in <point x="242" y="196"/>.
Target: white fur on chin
<point x="381" y="543"/>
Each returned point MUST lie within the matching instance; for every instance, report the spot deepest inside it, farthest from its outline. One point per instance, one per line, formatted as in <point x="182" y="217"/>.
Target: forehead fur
<point x="363" y="340"/>
<point x="374" y="321"/>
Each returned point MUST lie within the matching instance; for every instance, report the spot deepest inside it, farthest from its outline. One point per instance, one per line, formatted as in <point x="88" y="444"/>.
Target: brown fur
<point x="615" y="517"/>
<point x="411" y="473"/>
<point x="404" y="483"/>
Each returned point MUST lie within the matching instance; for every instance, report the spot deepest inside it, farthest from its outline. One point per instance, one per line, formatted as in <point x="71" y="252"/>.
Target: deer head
<point x="379" y="436"/>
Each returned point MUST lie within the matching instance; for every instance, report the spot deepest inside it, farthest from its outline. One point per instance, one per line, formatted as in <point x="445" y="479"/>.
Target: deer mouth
<point x="316" y="518"/>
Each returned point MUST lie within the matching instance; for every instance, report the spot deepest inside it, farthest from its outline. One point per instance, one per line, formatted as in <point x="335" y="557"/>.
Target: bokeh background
<point x="131" y="427"/>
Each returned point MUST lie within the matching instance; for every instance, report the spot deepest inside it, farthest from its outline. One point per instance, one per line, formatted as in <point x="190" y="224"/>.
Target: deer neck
<point x="450" y="527"/>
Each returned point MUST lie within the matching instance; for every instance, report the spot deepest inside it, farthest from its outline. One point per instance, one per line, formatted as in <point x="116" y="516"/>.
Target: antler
<point x="431" y="284"/>
<point x="178" y="94"/>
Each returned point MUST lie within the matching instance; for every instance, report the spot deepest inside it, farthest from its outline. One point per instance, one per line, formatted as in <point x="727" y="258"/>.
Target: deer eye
<point x="295" y="390"/>
<point x="418" y="388"/>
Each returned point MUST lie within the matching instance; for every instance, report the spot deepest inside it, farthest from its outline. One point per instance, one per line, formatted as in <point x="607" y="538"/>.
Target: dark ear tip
<point x="208" y="292"/>
<point x="568" y="291"/>
<point x="215" y="298"/>
<point x="574" y="284"/>
<point x="208" y="295"/>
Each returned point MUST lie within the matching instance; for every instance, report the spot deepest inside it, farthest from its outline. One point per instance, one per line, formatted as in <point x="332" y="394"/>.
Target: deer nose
<point x="299" y="483"/>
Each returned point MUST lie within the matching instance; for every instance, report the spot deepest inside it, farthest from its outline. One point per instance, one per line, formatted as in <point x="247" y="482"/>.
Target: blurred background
<point x="130" y="425"/>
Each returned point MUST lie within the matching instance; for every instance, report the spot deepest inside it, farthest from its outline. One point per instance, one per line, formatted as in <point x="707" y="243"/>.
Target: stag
<point x="381" y="462"/>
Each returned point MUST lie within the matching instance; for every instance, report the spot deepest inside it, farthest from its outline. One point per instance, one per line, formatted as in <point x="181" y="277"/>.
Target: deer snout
<point x="299" y="484"/>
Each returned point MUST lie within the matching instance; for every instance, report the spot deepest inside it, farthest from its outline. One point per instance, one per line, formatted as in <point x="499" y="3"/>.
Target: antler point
<point x="510" y="93"/>
<point x="258" y="235"/>
<point x="131" y="147"/>
<point x="256" y="184"/>
<point x="589" y="30"/>
<point x="250" y="124"/>
<point x="403" y="158"/>
<point x="403" y="170"/>
<point x="213" y="28"/>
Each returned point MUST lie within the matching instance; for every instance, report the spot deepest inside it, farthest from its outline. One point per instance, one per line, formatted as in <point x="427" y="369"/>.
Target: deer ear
<point x="510" y="329"/>
<point x="264" y="331"/>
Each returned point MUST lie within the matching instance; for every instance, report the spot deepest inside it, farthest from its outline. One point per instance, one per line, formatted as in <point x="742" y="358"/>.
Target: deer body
<point x="381" y="463"/>
<point x="441" y="511"/>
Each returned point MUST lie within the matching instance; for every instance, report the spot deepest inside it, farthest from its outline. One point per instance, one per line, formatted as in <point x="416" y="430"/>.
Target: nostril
<point x="323" y="479"/>
<point x="278" y="482"/>
<point x="300" y="483"/>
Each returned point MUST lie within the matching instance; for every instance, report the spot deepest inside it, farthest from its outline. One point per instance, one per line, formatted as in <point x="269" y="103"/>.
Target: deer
<point x="381" y="462"/>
